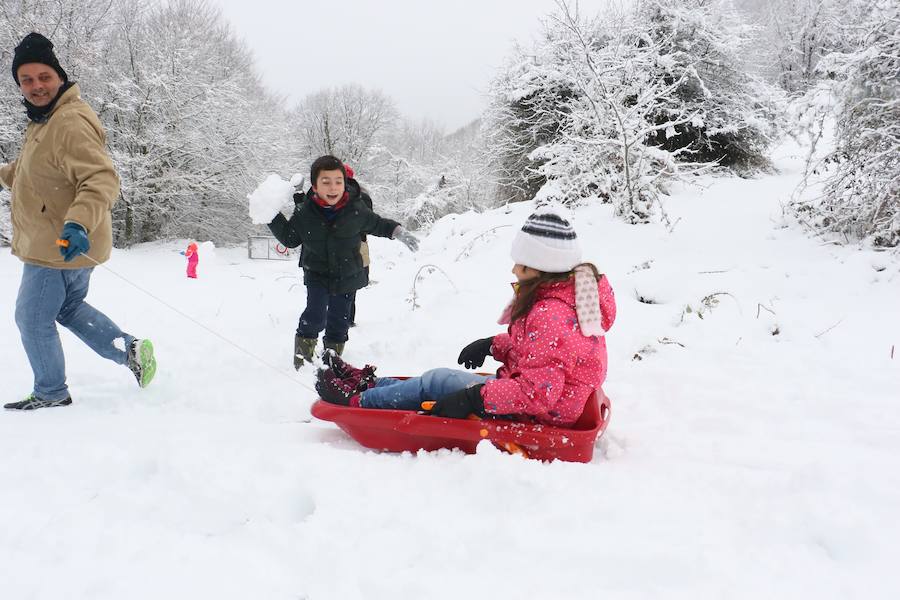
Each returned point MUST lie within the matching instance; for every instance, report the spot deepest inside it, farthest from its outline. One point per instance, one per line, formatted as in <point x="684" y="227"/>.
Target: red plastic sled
<point x="403" y="430"/>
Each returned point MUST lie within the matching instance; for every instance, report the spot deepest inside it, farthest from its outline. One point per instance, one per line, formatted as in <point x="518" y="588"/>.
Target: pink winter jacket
<point x="550" y="368"/>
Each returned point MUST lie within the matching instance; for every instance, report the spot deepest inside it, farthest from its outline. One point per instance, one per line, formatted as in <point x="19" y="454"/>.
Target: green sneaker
<point x="141" y="361"/>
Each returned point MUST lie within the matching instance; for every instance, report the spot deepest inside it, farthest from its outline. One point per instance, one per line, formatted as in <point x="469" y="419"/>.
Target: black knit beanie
<point x="35" y="48"/>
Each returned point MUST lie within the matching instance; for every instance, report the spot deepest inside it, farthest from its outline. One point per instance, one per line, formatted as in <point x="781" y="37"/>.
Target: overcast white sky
<point x="435" y="58"/>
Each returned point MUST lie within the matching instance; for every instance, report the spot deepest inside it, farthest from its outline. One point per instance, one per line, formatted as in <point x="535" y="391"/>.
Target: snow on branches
<point x="616" y="106"/>
<point x="5" y="223"/>
<point x="861" y="92"/>
<point x="799" y="33"/>
<point x="189" y="127"/>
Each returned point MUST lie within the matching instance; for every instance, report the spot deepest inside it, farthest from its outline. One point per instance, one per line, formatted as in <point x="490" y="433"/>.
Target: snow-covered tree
<point x="861" y="196"/>
<point x="528" y="104"/>
<point x="613" y="107"/>
<point x="798" y="33"/>
<point x="444" y="174"/>
<point x="423" y="173"/>
<point x="79" y="30"/>
<point x="190" y="129"/>
<point x="349" y="122"/>
<point x="619" y="87"/>
<point x="703" y="42"/>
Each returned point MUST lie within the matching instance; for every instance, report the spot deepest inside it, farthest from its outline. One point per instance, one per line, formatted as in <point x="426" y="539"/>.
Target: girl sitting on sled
<point x="553" y="353"/>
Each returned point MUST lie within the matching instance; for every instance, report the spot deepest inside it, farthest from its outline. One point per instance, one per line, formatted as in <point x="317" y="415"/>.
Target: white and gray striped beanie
<point x="547" y="242"/>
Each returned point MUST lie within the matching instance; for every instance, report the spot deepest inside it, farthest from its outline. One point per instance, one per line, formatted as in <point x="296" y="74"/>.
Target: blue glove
<point x="181" y="253"/>
<point x="78" y="241"/>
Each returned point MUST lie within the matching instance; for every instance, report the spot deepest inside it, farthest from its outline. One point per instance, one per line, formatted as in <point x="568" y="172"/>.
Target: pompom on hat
<point x="547" y="242"/>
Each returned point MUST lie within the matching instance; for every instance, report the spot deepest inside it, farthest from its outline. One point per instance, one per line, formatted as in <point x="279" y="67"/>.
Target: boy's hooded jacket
<point x="330" y="255"/>
<point x="550" y="368"/>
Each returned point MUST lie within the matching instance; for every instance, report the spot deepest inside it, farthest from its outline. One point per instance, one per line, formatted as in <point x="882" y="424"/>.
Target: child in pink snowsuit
<point x="193" y="258"/>
<point x="553" y="353"/>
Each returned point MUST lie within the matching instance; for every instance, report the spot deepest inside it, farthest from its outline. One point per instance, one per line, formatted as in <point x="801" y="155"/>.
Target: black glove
<point x="461" y="404"/>
<point x="407" y="238"/>
<point x="474" y="354"/>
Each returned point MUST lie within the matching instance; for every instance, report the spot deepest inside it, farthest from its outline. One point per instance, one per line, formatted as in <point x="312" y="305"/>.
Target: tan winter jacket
<point x="63" y="173"/>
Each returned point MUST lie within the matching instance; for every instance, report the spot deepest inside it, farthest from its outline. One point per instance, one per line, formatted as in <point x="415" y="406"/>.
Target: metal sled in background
<point x="402" y="430"/>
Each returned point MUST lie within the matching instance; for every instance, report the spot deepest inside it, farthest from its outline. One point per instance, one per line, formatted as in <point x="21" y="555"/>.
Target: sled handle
<point x="514" y="448"/>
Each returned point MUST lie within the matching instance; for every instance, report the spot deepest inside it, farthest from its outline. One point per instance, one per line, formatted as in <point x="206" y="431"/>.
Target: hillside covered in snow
<point x="753" y="448"/>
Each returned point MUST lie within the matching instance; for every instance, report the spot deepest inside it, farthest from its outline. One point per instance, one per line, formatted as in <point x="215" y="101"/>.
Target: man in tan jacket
<point x="63" y="187"/>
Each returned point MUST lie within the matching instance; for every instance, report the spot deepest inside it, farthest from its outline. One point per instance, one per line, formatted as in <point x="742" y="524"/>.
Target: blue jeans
<point x="326" y="311"/>
<point x="49" y="296"/>
<point x="408" y="394"/>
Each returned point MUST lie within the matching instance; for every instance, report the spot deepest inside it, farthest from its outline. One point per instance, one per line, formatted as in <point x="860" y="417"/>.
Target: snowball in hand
<point x="268" y="198"/>
<point x="298" y="180"/>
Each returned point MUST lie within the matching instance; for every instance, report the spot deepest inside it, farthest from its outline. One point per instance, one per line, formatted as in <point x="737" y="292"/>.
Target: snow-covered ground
<point x="753" y="451"/>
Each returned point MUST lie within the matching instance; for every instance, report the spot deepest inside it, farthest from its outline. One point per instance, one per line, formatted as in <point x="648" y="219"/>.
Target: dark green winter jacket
<point x="329" y="254"/>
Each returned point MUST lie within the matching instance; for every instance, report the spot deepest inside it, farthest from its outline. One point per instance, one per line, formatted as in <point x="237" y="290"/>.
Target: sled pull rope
<point x="235" y="345"/>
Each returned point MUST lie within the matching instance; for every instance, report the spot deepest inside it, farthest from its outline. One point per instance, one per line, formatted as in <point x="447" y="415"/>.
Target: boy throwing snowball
<point x="327" y="223"/>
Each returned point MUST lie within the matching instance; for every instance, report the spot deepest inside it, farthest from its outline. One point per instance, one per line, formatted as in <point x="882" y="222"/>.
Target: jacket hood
<point x="560" y="290"/>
